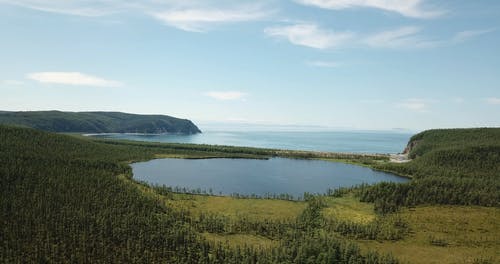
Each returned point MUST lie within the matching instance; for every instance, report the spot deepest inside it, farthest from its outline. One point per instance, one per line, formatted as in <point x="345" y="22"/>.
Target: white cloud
<point x="199" y="20"/>
<point x="195" y="16"/>
<point x="493" y="100"/>
<point x="415" y="105"/>
<point x="458" y="100"/>
<point x="325" y="64"/>
<point x="226" y="95"/>
<point x="403" y="37"/>
<point x="408" y="8"/>
<point x="11" y="83"/>
<point x="468" y="34"/>
<point x="406" y="37"/>
<point x="72" y="78"/>
<point x="74" y="7"/>
<point x="410" y="37"/>
<point x="310" y="35"/>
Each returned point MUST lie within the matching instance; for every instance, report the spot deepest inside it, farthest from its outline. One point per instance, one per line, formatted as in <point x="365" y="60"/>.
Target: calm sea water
<point x="335" y="141"/>
<point x="261" y="177"/>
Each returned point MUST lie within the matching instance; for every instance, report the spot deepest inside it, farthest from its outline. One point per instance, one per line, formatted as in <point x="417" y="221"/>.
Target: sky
<point x="356" y="64"/>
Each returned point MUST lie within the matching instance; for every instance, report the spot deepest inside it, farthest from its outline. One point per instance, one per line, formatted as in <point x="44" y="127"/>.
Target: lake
<point x="334" y="141"/>
<point x="260" y="177"/>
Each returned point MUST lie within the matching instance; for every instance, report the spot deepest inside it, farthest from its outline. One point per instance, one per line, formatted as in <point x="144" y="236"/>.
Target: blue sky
<point x="361" y="64"/>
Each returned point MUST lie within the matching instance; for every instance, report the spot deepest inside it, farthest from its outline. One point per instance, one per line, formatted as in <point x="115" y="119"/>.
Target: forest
<point x="68" y="198"/>
<point x="450" y="166"/>
<point x="98" y="122"/>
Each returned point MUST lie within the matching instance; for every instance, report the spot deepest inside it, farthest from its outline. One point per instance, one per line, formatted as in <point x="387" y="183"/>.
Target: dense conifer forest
<point x="72" y="199"/>
<point x="449" y="166"/>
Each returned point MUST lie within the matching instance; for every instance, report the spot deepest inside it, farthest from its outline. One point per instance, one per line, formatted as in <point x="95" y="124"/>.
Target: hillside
<point x="449" y="166"/>
<point x="471" y="152"/>
<point x="430" y="140"/>
<point x="98" y="122"/>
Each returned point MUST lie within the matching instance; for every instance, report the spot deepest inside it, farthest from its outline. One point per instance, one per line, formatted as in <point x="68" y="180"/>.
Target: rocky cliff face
<point x="410" y="146"/>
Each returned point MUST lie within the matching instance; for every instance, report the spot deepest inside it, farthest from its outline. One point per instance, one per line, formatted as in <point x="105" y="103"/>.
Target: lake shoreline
<point x="203" y="151"/>
<point x="273" y="177"/>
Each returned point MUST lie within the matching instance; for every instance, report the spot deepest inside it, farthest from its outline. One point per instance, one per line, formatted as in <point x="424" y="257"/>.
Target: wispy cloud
<point x="468" y="34"/>
<point x="408" y="8"/>
<point x="310" y="35"/>
<point x="406" y="37"/>
<point x="194" y="16"/>
<point x="72" y="78"/>
<point x="76" y="7"/>
<point x="323" y="64"/>
<point x="200" y="20"/>
<point x="415" y="105"/>
<point x="403" y="37"/>
<point x="11" y="83"/>
<point x="226" y="95"/>
<point x="493" y="100"/>
<point x="411" y="37"/>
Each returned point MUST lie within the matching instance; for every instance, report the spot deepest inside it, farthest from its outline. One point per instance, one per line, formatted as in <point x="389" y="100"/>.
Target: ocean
<point x="331" y="141"/>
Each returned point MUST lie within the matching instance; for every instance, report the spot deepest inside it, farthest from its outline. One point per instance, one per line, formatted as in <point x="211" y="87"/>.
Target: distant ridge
<point x="98" y="122"/>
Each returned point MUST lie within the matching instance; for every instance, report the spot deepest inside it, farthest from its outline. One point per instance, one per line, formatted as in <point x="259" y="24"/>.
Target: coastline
<point x="355" y="142"/>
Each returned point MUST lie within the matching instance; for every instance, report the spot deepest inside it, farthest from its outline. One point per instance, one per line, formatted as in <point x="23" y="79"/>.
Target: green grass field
<point x="349" y="208"/>
<point x="253" y="209"/>
<point x="447" y="234"/>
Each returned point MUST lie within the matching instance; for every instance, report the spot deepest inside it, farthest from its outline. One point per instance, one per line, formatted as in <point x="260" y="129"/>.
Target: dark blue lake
<point x="261" y="177"/>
